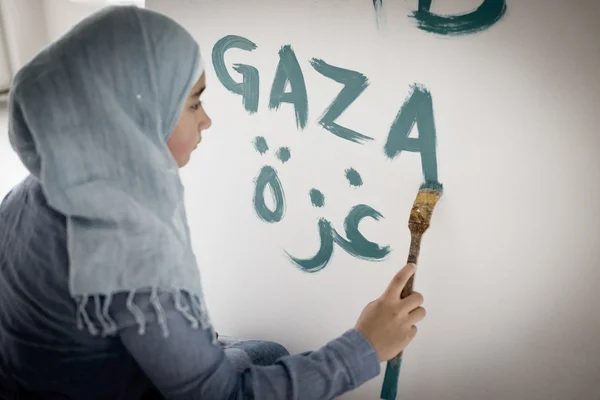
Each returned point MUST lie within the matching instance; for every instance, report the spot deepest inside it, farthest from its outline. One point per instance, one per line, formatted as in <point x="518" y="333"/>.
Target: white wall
<point x="24" y="25"/>
<point x="29" y="25"/>
<point x="5" y="67"/>
<point x="61" y="15"/>
<point x="509" y="268"/>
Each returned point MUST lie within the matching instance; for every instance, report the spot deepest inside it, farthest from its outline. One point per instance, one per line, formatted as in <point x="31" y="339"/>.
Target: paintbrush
<point x="418" y="222"/>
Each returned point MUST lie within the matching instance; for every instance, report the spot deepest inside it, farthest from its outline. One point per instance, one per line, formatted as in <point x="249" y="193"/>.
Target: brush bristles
<point x="422" y="210"/>
<point x="432" y="185"/>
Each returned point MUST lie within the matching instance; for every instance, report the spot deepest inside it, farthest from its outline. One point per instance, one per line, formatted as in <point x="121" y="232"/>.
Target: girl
<point x="100" y="294"/>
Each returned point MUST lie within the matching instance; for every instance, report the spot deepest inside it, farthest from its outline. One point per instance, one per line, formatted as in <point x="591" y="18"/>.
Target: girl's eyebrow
<point x="198" y="92"/>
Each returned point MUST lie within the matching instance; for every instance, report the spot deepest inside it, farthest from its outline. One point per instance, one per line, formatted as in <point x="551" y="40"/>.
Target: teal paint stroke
<point x="249" y="87"/>
<point x="317" y="198"/>
<point x="354" y="178"/>
<point x="356" y="244"/>
<point x="378" y="7"/>
<point x="323" y="255"/>
<point x="268" y="178"/>
<point x="260" y="144"/>
<point x="284" y="154"/>
<point x="288" y="69"/>
<point x="354" y="84"/>
<point x="417" y="108"/>
<point x="486" y="15"/>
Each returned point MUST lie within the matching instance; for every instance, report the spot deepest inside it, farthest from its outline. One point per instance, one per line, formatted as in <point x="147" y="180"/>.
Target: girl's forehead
<point x="199" y="86"/>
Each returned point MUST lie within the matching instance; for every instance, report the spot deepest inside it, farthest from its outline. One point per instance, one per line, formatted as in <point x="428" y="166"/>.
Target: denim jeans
<point x="241" y="353"/>
<point x="244" y="353"/>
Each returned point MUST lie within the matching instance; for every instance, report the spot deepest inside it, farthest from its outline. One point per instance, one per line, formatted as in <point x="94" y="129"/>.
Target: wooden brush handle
<point x="413" y="258"/>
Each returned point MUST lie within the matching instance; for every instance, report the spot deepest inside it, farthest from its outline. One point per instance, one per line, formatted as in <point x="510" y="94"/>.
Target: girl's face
<point x="193" y="120"/>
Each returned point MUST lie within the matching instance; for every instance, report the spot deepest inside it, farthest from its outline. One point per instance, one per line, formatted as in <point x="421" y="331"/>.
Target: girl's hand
<point x="389" y="322"/>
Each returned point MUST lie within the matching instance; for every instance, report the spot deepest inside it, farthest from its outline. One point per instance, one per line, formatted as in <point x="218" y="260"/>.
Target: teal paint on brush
<point x="486" y="15"/>
<point x="389" y="390"/>
<point x="433" y="185"/>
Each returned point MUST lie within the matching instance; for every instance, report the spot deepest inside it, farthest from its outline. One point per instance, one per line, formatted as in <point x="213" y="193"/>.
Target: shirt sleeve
<point x="187" y="365"/>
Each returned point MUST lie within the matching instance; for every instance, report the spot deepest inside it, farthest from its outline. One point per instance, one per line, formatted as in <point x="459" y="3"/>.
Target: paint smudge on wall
<point x="356" y="244"/>
<point x="354" y="84"/>
<point x="486" y="15"/>
<point x="418" y="108"/>
<point x="268" y="178"/>
<point x="260" y="144"/>
<point x="288" y="70"/>
<point x="249" y="87"/>
<point x="317" y="198"/>
<point x="353" y="177"/>
<point x="284" y="154"/>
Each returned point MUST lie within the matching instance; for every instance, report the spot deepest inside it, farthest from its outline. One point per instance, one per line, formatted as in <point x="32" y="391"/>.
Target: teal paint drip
<point x="486" y="15"/>
<point x="249" y="87"/>
<point x="389" y="390"/>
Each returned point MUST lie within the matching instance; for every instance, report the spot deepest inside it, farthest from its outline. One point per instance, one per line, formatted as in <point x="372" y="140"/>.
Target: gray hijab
<point x="89" y="117"/>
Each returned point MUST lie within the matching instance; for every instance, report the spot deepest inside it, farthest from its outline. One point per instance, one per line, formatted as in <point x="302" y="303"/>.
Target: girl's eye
<point x="196" y="106"/>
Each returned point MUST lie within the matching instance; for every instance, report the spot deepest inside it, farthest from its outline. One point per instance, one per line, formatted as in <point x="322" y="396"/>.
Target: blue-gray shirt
<point x="42" y="349"/>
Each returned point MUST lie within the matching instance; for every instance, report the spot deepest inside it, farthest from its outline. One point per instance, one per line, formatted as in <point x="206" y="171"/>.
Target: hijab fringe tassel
<point x="97" y="320"/>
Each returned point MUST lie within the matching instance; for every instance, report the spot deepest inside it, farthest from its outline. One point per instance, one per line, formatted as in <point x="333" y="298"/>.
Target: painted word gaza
<point x="417" y="108"/>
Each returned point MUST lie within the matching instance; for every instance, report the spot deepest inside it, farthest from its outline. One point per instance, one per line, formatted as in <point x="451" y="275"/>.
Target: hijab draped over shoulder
<point x="89" y="117"/>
